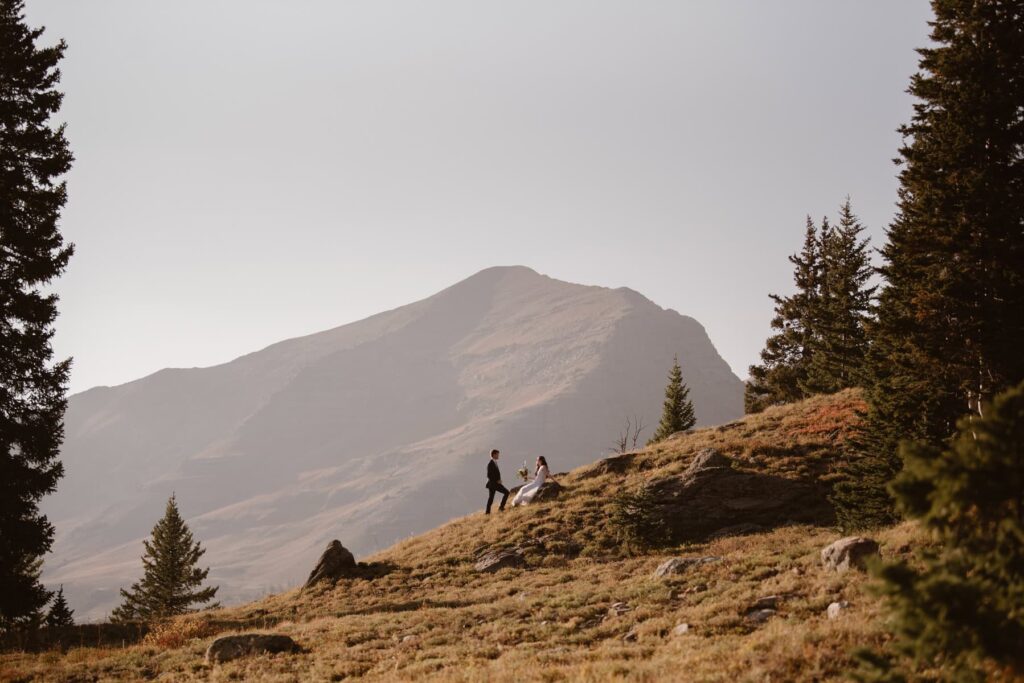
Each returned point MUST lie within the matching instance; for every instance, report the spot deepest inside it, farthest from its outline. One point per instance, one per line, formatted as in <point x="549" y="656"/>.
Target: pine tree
<point x="677" y="412"/>
<point x="961" y="606"/>
<point x="171" y="582"/>
<point x="786" y="355"/>
<point x="637" y="519"/>
<point x="949" y="323"/>
<point x="842" y="313"/>
<point x="60" y="614"/>
<point x="33" y="157"/>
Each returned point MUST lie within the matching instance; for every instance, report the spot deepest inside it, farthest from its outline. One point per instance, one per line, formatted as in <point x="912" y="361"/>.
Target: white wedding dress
<point x="528" y="492"/>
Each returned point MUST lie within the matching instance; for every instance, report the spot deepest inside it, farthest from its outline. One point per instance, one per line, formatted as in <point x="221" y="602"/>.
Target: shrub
<point x="173" y="633"/>
<point x="636" y="519"/>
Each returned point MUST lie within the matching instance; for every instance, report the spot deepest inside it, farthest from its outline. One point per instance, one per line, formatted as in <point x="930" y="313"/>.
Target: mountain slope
<point x="582" y="607"/>
<point x="371" y="431"/>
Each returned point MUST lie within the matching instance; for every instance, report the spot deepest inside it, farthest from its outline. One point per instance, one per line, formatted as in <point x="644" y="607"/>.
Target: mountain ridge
<point x="171" y="369"/>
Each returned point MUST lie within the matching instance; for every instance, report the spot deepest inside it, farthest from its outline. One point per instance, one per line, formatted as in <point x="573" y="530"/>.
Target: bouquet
<point x="524" y="472"/>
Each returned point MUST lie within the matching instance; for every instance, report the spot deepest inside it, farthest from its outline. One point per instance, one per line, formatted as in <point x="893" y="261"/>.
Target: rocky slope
<point x="372" y="431"/>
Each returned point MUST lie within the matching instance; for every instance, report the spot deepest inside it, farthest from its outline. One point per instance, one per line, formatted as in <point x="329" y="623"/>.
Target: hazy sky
<point x="250" y="171"/>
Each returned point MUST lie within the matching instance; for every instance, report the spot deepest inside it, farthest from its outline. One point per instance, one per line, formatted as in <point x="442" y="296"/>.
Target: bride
<point x="528" y="492"/>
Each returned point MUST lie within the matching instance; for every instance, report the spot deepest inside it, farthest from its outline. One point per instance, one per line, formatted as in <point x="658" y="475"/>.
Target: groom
<point x="494" y="483"/>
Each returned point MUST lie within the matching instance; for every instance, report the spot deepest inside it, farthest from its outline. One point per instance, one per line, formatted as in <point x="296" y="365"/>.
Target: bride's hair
<point x="543" y="463"/>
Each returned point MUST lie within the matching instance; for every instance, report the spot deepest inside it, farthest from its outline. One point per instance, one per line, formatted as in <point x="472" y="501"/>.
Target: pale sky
<point x="249" y="171"/>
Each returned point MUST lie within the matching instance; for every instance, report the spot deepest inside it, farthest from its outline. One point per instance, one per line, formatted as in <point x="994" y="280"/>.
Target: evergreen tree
<point x="60" y="614"/>
<point x="786" y="355"/>
<point x="861" y="497"/>
<point x="677" y="412"/>
<point x="962" y="606"/>
<point x="637" y="519"/>
<point x="33" y="157"/>
<point x="949" y="323"/>
<point x="842" y="312"/>
<point x="171" y="582"/>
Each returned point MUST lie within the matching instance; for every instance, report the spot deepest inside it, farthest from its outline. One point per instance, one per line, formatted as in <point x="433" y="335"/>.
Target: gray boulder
<point x="335" y="563"/>
<point x="760" y="616"/>
<point x="617" y="610"/>
<point x="227" y="648"/>
<point x="767" y="602"/>
<point x="679" y="565"/>
<point x="493" y="560"/>
<point x="681" y="629"/>
<point x="706" y="459"/>
<point x="836" y="608"/>
<point x="616" y="464"/>
<point x="549" y="491"/>
<point x="852" y="551"/>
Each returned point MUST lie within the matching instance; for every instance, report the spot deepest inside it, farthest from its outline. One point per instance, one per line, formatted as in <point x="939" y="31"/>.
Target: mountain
<point x="368" y="432"/>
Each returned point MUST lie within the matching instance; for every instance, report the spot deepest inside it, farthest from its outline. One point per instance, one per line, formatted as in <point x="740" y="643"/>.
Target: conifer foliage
<point x="820" y="337"/>
<point x="949" y="323"/>
<point x="60" y="614"/>
<point x="962" y="605"/>
<point x="841" y="310"/>
<point x="172" y="580"/>
<point x="33" y="157"/>
<point x="677" y="412"/>
<point x="637" y="519"/>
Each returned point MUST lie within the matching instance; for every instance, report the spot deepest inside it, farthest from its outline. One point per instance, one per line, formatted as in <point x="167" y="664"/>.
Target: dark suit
<point x="494" y="485"/>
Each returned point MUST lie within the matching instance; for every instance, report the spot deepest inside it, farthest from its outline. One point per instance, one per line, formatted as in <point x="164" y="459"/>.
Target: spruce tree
<point x="637" y="520"/>
<point x="171" y="581"/>
<point x="786" y="356"/>
<point x="961" y="606"/>
<point x="838" y="343"/>
<point x="33" y="157"/>
<point x="677" y="412"/>
<point x="60" y="614"/>
<point x="949" y="323"/>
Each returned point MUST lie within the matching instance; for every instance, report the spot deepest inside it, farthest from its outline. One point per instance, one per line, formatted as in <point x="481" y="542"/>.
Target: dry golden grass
<point x="431" y="616"/>
<point x="173" y="633"/>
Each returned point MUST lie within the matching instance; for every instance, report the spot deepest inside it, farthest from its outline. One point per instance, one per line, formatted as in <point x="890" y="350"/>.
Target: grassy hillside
<point x="427" y="613"/>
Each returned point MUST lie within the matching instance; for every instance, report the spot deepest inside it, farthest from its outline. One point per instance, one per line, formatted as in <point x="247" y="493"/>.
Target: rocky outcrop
<point x="491" y="561"/>
<point x="549" y="491"/>
<point x="767" y="602"/>
<point x="335" y="563"/>
<point x="679" y="565"/>
<point x="226" y="648"/>
<point x="760" y="616"/>
<point x="852" y="551"/>
<point x="706" y="460"/>
<point x="712" y="496"/>
<point x="616" y="464"/>
<point x="617" y="610"/>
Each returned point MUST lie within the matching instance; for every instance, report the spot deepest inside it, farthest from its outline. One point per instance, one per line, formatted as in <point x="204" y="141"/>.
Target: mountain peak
<point x="495" y="275"/>
<point x="494" y="271"/>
